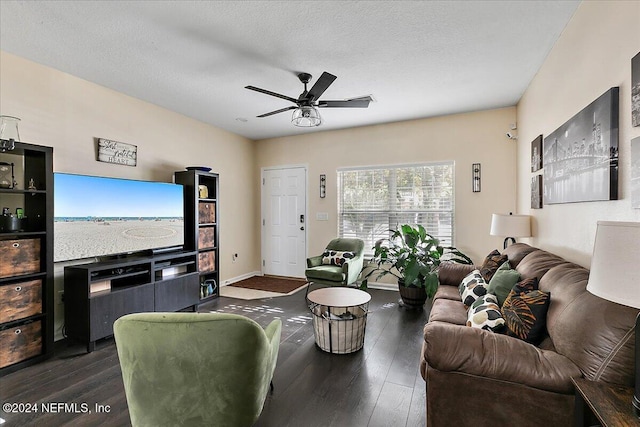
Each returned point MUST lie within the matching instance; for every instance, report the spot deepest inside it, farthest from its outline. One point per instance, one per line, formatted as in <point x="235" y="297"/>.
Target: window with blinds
<point x="371" y="201"/>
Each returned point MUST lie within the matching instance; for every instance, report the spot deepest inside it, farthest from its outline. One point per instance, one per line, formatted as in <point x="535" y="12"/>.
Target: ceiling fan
<point x="306" y="106"/>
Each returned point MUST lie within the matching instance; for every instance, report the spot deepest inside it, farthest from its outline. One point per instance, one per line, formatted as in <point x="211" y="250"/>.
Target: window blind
<point x="371" y="201"/>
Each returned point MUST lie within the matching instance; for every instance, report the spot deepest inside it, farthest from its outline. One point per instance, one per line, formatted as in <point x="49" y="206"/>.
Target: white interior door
<point x="284" y="220"/>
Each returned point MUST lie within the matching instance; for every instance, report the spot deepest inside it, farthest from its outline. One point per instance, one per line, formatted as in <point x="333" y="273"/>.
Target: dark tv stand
<point x="98" y="293"/>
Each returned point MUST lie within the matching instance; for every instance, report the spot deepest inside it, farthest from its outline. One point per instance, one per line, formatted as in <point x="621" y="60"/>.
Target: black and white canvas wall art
<point x="635" y="172"/>
<point x="635" y="90"/>
<point x="581" y="156"/>
<point x="536" y="154"/>
<point x="536" y="192"/>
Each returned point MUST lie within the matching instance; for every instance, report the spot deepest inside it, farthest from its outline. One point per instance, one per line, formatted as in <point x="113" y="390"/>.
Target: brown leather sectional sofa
<point x="480" y="378"/>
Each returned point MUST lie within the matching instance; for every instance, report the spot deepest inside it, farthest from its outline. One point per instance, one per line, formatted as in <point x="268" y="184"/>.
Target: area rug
<point x="259" y="287"/>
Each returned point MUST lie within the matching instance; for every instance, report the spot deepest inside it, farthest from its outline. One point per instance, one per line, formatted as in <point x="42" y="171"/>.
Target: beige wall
<point x="464" y="138"/>
<point x="67" y="113"/>
<point x="592" y="55"/>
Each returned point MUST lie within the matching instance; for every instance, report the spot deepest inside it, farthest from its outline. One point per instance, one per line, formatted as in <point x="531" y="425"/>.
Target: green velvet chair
<point x="333" y="275"/>
<point x="195" y="369"/>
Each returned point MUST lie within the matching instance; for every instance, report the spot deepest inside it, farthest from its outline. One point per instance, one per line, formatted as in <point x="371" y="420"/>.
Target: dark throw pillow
<point x="525" y="311"/>
<point x="491" y="263"/>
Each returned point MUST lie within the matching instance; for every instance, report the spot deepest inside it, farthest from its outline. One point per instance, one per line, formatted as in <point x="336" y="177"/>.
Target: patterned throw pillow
<point x="330" y="257"/>
<point x="491" y="263"/>
<point x="484" y="299"/>
<point x="472" y="287"/>
<point x="525" y="311"/>
<point x="503" y="281"/>
<point x="486" y="315"/>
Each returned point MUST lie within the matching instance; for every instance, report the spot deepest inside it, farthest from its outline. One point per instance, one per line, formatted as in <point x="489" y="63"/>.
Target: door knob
<point x="302" y="228"/>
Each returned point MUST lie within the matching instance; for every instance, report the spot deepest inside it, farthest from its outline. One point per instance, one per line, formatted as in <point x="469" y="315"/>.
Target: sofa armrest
<point x="452" y="273"/>
<point x="314" y="261"/>
<point x="478" y="352"/>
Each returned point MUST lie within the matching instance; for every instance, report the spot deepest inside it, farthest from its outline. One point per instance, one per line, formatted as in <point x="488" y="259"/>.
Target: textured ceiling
<point x="417" y="59"/>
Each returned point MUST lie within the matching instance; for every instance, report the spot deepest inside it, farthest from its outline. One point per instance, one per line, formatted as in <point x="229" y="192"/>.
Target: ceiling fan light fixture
<point x="306" y="117"/>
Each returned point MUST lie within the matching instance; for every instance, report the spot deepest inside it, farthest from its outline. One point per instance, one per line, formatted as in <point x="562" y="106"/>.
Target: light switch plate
<point x="322" y="216"/>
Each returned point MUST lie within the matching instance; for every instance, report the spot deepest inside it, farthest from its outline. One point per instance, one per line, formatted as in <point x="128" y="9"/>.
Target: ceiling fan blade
<point x="348" y="103"/>
<point x="282" y="110"/>
<point x="320" y="86"/>
<point x="268" y="92"/>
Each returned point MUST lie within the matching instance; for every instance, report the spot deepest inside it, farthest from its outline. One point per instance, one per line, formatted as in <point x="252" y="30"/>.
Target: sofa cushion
<point x="537" y="263"/>
<point x="485" y="314"/>
<point x="472" y="287"/>
<point x="503" y="281"/>
<point x="449" y="311"/>
<point x="525" y="311"/>
<point x="491" y="263"/>
<point x="517" y="251"/>
<point x="451" y="273"/>
<point x="331" y="257"/>
<point x="447" y="292"/>
<point x="325" y="272"/>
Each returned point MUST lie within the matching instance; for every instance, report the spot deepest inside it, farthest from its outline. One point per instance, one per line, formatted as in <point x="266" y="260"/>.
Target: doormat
<point x="281" y="285"/>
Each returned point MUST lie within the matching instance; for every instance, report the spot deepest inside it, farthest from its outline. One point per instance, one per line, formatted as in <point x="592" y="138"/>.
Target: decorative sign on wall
<point x="581" y="157"/>
<point x="117" y="152"/>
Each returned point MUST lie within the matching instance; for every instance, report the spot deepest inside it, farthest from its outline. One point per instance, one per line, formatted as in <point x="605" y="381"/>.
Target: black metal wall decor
<point x="581" y="157"/>
<point x="323" y="186"/>
<point x="475" y="182"/>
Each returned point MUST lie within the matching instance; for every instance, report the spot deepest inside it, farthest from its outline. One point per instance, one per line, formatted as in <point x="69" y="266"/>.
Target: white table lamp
<point x="614" y="267"/>
<point x="510" y="226"/>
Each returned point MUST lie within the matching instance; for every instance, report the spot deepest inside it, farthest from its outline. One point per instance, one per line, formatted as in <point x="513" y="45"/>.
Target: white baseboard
<point x="241" y="277"/>
<point x="383" y="286"/>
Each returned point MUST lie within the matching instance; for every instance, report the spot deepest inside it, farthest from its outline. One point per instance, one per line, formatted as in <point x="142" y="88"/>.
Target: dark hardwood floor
<point x="379" y="385"/>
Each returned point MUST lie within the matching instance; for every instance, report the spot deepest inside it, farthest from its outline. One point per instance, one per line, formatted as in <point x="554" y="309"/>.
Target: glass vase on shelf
<point x="8" y="133"/>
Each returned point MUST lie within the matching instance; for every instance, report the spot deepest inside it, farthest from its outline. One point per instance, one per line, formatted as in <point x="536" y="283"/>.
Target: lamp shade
<point x="510" y="225"/>
<point x="616" y="255"/>
<point x="306" y="117"/>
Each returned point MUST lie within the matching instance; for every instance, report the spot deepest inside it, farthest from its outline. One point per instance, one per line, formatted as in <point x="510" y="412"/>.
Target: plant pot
<point x="412" y="296"/>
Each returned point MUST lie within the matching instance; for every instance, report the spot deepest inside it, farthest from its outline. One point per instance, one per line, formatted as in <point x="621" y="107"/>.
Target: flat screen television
<point x="97" y="217"/>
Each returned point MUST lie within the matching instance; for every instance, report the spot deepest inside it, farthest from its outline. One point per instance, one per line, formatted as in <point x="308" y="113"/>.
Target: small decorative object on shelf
<point x="32" y="185"/>
<point x="8" y="133"/>
<point x="7" y="179"/>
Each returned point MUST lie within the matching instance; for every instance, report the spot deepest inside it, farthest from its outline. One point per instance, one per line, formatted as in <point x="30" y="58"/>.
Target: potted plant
<point x="412" y="256"/>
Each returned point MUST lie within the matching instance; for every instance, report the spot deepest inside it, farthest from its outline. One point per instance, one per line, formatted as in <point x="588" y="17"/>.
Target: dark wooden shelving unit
<point x="201" y="219"/>
<point x="26" y="270"/>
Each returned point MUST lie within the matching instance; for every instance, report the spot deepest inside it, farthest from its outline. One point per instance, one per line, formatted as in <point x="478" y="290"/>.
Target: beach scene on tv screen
<point x="95" y="216"/>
